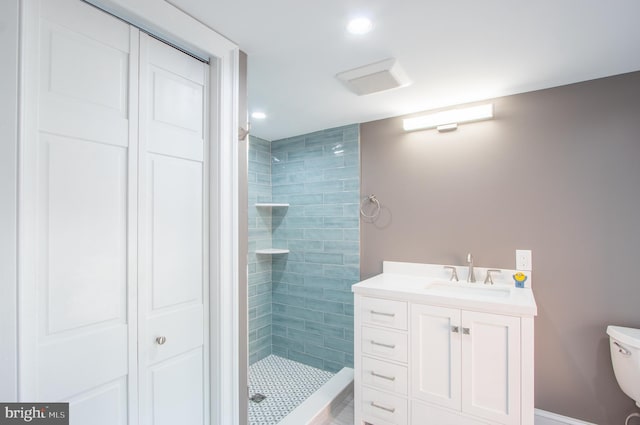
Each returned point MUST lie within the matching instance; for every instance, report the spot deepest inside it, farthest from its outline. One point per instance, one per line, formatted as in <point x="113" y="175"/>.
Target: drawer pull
<point x="392" y="346"/>
<point x="382" y="313"/>
<point x="388" y="409"/>
<point x="388" y="378"/>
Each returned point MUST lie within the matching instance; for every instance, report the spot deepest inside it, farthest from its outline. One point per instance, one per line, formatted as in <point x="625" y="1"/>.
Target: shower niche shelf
<point x="271" y="205"/>
<point x="271" y="251"/>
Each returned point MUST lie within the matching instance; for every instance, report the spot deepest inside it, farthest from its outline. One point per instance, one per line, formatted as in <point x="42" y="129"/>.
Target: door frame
<point x="9" y="81"/>
<point x="165" y="21"/>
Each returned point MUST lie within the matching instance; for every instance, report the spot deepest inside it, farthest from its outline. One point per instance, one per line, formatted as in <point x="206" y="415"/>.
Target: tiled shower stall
<point x="300" y="303"/>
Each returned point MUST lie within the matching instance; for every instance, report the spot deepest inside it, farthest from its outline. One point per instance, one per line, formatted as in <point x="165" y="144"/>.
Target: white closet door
<point x="78" y="167"/>
<point x="173" y="294"/>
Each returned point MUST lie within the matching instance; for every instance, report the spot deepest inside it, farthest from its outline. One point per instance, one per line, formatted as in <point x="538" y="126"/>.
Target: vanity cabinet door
<point x="435" y="355"/>
<point x="466" y="361"/>
<point x="491" y="366"/>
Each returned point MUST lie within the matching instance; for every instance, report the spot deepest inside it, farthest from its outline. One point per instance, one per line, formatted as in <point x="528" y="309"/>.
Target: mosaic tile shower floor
<point x="286" y="384"/>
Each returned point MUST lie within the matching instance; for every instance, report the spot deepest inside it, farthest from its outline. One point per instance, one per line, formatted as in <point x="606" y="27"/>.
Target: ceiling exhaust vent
<point x="375" y="77"/>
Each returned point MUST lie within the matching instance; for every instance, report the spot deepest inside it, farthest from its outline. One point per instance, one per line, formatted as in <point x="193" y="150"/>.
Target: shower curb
<point x="315" y="409"/>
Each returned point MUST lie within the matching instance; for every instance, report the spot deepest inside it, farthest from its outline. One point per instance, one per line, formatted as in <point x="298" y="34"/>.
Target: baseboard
<point x="547" y="418"/>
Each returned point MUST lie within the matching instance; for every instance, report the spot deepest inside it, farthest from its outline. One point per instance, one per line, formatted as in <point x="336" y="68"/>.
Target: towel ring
<point x="371" y="198"/>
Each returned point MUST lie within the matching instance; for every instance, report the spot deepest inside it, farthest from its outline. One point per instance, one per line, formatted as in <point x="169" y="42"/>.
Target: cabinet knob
<point x="161" y="340"/>
<point x="455" y="329"/>
<point x="466" y="331"/>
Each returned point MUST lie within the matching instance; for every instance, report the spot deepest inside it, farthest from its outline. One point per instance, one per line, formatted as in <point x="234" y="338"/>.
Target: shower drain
<point x="257" y="397"/>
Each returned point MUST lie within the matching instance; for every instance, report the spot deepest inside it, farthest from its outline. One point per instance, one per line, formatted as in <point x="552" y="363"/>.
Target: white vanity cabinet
<point x="423" y="358"/>
<point x="466" y="361"/>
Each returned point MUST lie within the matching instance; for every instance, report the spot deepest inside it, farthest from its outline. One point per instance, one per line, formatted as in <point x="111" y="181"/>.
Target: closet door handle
<point x="161" y="340"/>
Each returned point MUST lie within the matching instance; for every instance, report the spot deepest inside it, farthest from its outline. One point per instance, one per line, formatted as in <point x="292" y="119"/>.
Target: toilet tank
<point x="625" y="356"/>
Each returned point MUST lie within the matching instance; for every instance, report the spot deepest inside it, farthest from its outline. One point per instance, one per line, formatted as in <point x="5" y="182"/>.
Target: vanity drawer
<point x="383" y="409"/>
<point x="384" y="376"/>
<point x="390" y="313"/>
<point x="384" y="343"/>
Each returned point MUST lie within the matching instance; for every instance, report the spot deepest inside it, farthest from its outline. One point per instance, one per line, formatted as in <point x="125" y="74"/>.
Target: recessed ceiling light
<point x="259" y="115"/>
<point x="359" y="26"/>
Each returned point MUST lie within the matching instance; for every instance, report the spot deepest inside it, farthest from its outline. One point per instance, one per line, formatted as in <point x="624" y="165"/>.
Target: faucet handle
<point x="489" y="278"/>
<point x="454" y="273"/>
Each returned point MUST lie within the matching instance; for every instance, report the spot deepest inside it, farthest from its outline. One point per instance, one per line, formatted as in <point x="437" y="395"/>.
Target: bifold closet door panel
<point x="79" y="156"/>
<point x="86" y="69"/>
<point x="173" y="99"/>
<point x="173" y="294"/>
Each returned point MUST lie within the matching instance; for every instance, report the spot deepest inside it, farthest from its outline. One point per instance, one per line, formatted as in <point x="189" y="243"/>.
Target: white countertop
<point x="429" y="284"/>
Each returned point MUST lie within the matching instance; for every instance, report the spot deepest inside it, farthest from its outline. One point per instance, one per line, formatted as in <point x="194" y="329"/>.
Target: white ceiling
<point x="454" y="51"/>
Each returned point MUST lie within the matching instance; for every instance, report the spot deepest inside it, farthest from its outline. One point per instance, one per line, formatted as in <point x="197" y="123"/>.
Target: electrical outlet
<point x="523" y="259"/>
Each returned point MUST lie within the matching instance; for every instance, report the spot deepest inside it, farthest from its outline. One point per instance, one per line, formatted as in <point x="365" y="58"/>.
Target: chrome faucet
<point x="471" y="277"/>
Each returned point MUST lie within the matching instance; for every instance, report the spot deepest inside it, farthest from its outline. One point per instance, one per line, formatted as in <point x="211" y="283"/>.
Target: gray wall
<point x="558" y="172"/>
<point x="8" y="195"/>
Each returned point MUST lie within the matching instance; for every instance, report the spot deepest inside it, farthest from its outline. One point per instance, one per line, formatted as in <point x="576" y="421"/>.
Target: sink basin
<point x="464" y="290"/>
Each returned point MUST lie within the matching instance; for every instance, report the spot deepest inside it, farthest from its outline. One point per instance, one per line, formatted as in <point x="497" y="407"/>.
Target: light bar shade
<point x="452" y="116"/>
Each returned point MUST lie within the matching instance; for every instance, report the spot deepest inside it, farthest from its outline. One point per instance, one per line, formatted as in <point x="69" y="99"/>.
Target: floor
<point x="285" y="383"/>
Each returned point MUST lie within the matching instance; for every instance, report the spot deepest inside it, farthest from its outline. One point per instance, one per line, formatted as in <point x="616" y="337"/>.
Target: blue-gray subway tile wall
<point x="309" y="311"/>
<point x="260" y="236"/>
<point x="318" y="174"/>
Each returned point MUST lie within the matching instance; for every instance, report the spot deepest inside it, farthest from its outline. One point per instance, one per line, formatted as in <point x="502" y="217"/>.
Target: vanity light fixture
<point x="259" y="115"/>
<point x="449" y="120"/>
